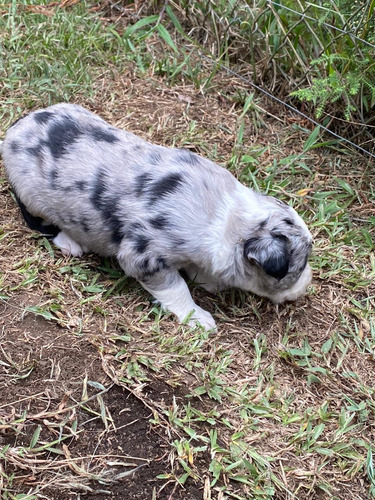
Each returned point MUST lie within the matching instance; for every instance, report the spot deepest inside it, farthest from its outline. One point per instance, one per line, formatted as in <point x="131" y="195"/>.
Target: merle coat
<point x="94" y="187"/>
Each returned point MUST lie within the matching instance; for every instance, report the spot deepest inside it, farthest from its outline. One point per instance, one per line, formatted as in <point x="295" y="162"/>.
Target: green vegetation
<point x="50" y="54"/>
<point x="322" y="52"/>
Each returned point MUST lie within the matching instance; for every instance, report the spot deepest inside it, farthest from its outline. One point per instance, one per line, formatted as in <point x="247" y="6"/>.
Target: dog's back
<point x="101" y="184"/>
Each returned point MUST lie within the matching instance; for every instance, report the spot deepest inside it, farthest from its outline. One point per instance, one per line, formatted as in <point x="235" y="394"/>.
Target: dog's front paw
<point x="200" y="317"/>
<point x="175" y="297"/>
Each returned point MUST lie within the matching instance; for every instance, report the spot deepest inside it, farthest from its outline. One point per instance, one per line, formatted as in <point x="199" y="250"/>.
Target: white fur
<point x="177" y="299"/>
<point x="67" y="245"/>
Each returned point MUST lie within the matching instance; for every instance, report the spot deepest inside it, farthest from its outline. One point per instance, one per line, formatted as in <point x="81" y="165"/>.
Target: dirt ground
<point x="59" y="360"/>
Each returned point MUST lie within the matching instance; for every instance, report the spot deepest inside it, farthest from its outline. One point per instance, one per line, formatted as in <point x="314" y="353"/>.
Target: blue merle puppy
<point x="95" y="188"/>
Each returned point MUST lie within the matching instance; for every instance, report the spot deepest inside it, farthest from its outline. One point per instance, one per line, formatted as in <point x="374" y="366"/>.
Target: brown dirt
<point x="60" y="362"/>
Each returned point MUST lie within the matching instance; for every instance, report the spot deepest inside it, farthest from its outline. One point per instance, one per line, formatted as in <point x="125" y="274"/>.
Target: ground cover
<point x="102" y="394"/>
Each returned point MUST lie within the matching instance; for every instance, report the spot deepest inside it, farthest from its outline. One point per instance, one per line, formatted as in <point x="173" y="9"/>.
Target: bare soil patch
<point x="47" y="368"/>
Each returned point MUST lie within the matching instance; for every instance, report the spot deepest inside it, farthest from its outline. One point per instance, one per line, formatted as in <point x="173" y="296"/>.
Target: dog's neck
<point x="227" y="233"/>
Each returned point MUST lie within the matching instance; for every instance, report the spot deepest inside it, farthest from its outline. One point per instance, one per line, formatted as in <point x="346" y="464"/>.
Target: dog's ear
<point x="270" y="251"/>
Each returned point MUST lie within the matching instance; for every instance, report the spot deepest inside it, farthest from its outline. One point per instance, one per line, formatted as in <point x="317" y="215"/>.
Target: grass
<point x="54" y="53"/>
<point x="312" y="52"/>
<point x="280" y="402"/>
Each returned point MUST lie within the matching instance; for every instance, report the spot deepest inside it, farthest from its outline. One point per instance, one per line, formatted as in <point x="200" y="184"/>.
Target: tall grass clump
<point x="319" y="53"/>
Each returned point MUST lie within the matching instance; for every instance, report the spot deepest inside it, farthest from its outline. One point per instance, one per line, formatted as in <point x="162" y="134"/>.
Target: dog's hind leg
<point x="37" y="223"/>
<point x="68" y="246"/>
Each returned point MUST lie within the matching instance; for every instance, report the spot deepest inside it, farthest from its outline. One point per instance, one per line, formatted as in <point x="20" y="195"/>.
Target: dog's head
<point x="276" y="254"/>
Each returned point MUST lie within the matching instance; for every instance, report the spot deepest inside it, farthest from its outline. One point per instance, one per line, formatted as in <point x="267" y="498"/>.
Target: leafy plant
<point x="348" y="77"/>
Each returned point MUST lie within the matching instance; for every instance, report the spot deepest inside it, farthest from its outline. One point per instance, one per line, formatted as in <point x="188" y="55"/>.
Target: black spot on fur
<point x="43" y="116"/>
<point x="98" y="191"/>
<point x="271" y="254"/>
<point x="81" y="185"/>
<point x="135" y="226"/>
<point x="115" y="223"/>
<point x="251" y="246"/>
<point x="15" y="147"/>
<point x="161" y="263"/>
<point x="35" y="151"/>
<point x="186" y="156"/>
<point x="178" y="242"/>
<point x="145" y="267"/>
<point x="159" y="222"/>
<point x="164" y="187"/>
<point x="277" y="264"/>
<point x="101" y="134"/>
<point x="134" y="232"/>
<point x="116" y="226"/>
<point x="141" y="243"/>
<point x="108" y="206"/>
<point x="61" y="135"/>
<point x="142" y="182"/>
<point x="85" y="226"/>
<point x="289" y="222"/>
<point x="130" y="232"/>
<point x="53" y="175"/>
<point x="148" y="268"/>
<point x="262" y="225"/>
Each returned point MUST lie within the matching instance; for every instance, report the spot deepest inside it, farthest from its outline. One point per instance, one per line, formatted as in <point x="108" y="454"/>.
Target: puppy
<point x="95" y="188"/>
